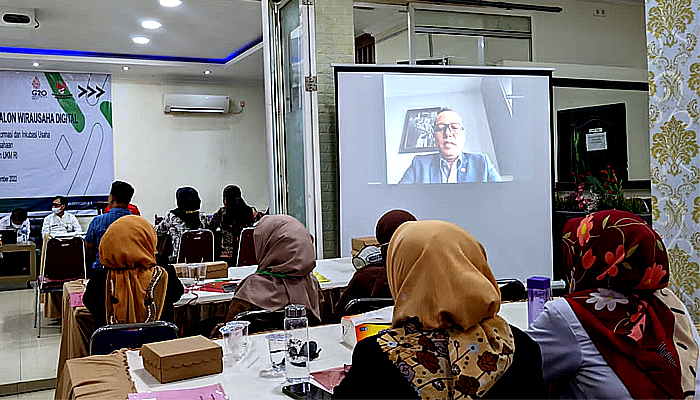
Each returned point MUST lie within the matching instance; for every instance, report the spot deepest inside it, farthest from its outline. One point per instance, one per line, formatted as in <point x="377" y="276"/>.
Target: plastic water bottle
<point x="296" y="358"/>
<point x="538" y="293"/>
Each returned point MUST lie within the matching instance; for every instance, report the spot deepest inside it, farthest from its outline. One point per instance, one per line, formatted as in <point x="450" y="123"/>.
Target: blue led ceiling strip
<point x="95" y="54"/>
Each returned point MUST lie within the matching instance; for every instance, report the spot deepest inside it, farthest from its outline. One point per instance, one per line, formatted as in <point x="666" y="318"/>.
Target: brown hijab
<point x="286" y="260"/>
<point x="135" y="284"/>
<point x="446" y="338"/>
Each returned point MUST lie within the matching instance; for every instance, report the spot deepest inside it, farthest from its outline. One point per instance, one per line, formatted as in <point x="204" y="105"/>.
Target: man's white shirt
<point x="22" y="231"/>
<point x="56" y="225"/>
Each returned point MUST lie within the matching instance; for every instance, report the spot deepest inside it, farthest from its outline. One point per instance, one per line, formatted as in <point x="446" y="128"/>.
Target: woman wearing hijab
<point x="184" y="218"/>
<point x="446" y="340"/>
<point x="620" y="333"/>
<point x="370" y="281"/>
<point x="228" y="222"/>
<point x="286" y="260"/>
<point x="131" y="288"/>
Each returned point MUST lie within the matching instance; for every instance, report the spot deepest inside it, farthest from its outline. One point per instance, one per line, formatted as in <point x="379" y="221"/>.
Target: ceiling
<point x="198" y="35"/>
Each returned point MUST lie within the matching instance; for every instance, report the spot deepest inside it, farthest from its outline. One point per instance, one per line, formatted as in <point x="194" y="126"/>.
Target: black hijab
<point x="237" y="211"/>
<point x="188" y="204"/>
<point x="387" y="225"/>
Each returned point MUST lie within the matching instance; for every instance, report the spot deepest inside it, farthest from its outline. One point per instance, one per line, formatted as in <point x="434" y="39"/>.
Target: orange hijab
<point x="135" y="284"/>
<point x="446" y="338"/>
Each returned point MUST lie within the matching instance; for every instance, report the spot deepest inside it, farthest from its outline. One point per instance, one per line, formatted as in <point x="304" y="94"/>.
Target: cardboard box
<point x="215" y="269"/>
<point x="183" y="358"/>
<point x="358" y="327"/>
<point x="359" y="242"/>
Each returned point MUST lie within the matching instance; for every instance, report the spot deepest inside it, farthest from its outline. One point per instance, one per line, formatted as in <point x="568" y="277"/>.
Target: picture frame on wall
<point x="418" y="135"/>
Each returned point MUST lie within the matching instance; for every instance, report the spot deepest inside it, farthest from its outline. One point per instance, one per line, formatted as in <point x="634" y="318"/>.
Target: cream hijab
<point x="446" y="338"/>
<point x="135" y="284"/>
<point x="286" y="260"/>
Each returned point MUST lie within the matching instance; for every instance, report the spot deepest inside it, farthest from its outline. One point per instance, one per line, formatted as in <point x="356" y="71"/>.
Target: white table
<point x="338" y="270"/>
<point x="243" y="380"/>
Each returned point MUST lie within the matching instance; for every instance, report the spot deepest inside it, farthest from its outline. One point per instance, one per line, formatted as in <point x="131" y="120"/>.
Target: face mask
<point x="56" y="210"/>
<point x="16" y="226"/>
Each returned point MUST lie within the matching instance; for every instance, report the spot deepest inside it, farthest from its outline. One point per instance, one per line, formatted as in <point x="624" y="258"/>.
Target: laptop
<point x="9" y="236"/>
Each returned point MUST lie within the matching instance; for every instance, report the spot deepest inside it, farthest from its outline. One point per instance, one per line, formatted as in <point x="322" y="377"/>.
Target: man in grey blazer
<point x="450" y="165"/>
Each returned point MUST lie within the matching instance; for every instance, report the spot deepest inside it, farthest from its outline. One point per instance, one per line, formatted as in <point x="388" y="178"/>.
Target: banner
<point x="55" y="139"/>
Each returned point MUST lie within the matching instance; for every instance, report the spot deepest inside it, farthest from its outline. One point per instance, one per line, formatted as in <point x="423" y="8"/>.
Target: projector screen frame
<point x="439" y="69"/>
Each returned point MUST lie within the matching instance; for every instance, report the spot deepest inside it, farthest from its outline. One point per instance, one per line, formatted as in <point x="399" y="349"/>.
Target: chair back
<point x="109" y="338"/>
<point x="63" y="259"/>
<point x="361" y="306"/>
<point x="196" y="246"/>
<point x="246" y="249"/>
<point x="262" y="320"/>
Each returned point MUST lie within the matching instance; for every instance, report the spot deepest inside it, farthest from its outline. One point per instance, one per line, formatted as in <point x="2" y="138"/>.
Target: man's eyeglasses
<point x="56" y="204"/>
<point x="455" y="128"/>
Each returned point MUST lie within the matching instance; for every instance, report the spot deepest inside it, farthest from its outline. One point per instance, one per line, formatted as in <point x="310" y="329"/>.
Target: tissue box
<point x="177" y="359"/>
<point x="215" y="269"/>
<point x="359" y="242"/>
<point x="358" y="327"/>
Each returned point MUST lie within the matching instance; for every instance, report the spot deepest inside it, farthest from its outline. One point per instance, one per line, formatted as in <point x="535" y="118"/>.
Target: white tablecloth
<point x="243" y="380"/>
<point x="338" y="270"/>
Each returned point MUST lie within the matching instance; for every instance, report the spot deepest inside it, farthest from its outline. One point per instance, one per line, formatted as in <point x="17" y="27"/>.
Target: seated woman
<point x="183" y="218"/>
<point x="446" y="340"/>
<point x="286" y="260"/>
<point x="228" y="222"/>
<point x="619" y="333"/>
<point x="131" y="288"/>
<point x="370" y="280"/>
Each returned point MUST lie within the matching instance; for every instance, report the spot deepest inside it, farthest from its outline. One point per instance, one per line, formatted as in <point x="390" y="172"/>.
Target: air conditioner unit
<point x="17" y="17"/>
<point x="197" y="103"/>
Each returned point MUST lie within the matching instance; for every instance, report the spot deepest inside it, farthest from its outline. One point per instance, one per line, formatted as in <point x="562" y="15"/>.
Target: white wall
<point x="573" y="36"/>
<point x="158" y="152"/>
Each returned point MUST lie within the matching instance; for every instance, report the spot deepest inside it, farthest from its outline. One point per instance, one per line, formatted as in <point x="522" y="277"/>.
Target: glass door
<point x="293" y="124"/>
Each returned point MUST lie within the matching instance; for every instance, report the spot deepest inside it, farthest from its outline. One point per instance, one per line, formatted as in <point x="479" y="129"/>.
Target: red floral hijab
<point x="616" y="265"/>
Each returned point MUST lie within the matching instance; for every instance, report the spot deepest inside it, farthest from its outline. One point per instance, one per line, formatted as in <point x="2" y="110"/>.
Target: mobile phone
<point x="305" y="391"/>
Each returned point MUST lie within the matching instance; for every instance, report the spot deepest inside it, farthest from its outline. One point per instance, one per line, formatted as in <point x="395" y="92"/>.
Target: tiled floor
<point x="23" y="356"/>
<point x="40" y="395"/>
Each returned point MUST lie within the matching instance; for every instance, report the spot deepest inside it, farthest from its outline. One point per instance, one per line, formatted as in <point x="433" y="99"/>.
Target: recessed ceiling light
<point x="170" y="3"/>
<point x="207" y="72"/>
<point x="126" y="68"/>
<point x="151" y="24"/>
<point x="140" y="39"/>
<point x="35" y="64"/>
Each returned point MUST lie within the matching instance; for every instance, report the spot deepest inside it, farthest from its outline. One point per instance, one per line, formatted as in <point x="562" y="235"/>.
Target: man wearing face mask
<point x="451" y="164"/>
<point x="59" y="222"/>
<point x="18" y="222"/>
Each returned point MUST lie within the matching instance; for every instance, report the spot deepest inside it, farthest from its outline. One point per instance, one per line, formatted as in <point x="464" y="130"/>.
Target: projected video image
<point x="437" y="131"/>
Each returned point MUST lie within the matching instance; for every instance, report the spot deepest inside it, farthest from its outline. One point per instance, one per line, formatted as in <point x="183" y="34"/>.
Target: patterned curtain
<point x="673" y="27"/>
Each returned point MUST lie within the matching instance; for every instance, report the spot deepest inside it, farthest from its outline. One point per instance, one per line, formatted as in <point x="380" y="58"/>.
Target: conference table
<point x="77" y="324"/>
<point x="240" y="380"/>
<point x="333" y="274"/>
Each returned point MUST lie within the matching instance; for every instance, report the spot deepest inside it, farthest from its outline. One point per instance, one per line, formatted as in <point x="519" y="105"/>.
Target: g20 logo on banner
<point x="37" y="91"/>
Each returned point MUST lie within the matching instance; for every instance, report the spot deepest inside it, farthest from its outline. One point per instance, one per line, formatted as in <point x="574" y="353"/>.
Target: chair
<point x="511" y="289"/>
<point x="361" y="306"/>
<point x="114" y="337"/>
<point x="246" y="249"/>
<point x="196" y="246"/>
<point x="262" y="320"/>
<point x="62" y="260"/>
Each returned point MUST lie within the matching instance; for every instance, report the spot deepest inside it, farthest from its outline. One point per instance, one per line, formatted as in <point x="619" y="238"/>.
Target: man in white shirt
<point x="59" y="222"/>
<point x="18" y="222"/>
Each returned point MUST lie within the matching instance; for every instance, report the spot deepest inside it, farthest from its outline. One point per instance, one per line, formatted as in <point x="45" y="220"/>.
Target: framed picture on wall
<point x="418" y="136"/>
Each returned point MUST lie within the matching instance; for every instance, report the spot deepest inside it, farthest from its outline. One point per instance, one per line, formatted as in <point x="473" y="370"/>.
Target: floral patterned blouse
<point x="175" y="227"/>
<point x="230" y="234"/>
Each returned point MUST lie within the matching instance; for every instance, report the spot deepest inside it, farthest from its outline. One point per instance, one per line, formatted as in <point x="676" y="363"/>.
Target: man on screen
<point x="451" y="164"/>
